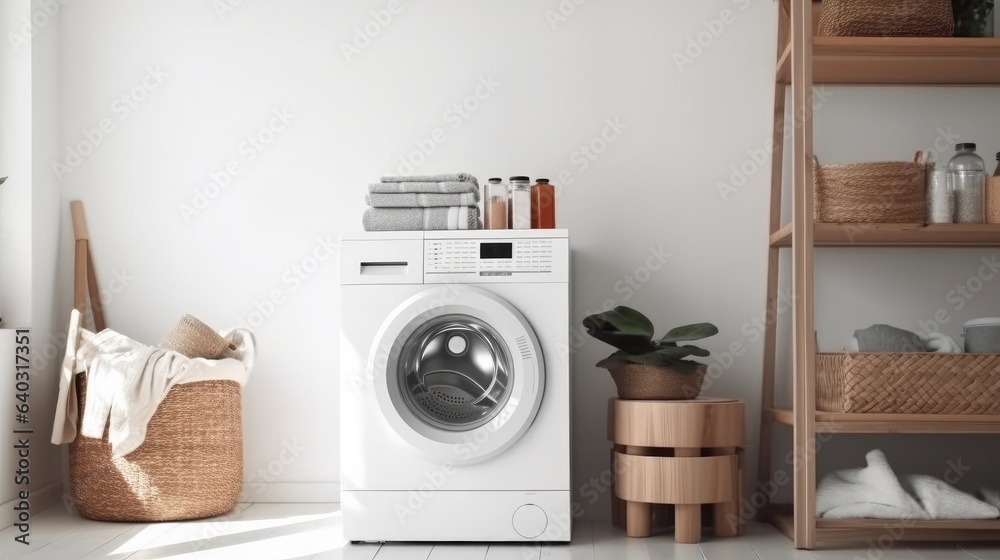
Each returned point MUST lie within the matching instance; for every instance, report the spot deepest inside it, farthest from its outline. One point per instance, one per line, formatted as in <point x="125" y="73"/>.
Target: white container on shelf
<point x="982" y="336"/>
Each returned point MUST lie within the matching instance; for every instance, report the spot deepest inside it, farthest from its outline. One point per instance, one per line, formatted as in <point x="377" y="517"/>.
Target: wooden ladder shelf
<point x="803" y="60"/>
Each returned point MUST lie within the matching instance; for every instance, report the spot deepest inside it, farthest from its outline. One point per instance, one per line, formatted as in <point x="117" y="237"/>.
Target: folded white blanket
<point x="421" y="219"/>
<point x="446" y="187"/>
<point x="943" y="501"/>
<point x="127" y="380"/>
<point x="875" y="492"/>
<point x="872" y="492"/>
<point x="421" y="200"/>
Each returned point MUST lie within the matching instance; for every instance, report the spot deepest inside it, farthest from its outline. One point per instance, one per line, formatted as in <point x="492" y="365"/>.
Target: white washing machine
<point x="455" y="392"/>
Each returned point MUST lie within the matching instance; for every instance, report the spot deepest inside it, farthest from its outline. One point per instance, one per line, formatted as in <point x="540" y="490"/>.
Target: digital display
<point x="496" y="250"/>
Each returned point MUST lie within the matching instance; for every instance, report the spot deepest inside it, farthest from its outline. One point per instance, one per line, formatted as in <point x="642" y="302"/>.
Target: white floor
<point x="286" y="531"/>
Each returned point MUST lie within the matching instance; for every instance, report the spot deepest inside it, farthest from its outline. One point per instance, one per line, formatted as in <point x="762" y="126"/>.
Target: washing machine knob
<point x="530" y="521"/>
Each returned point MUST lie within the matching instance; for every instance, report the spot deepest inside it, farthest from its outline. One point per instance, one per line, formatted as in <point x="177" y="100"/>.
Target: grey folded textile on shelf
<point x="443" y="178"/>
<point x="445" y="187"/>
<point x="886" y="338"/>
<point x="421" y="200"/>
<point x="421" y="219"/>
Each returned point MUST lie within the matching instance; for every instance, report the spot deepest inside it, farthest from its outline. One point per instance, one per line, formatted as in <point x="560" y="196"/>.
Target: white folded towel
<point x="443" y="178"/>
<point x="445" y="187"/>
<point x="421" y="200"/>
<point x="942" y="501"/>
<point x="872" y="492"/>
<point x="421" y="219"/>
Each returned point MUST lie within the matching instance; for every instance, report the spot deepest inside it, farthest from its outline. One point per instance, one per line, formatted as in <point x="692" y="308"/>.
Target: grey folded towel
<point x="420" y="200"/>
<point x="421" y="219"/>
<point x="885" y="338"/>
<point x="446" y="187"/>
<point x="445" y="178"/>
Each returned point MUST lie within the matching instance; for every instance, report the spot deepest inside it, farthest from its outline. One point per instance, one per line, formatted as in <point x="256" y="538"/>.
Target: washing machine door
<point x="458" y="373"/>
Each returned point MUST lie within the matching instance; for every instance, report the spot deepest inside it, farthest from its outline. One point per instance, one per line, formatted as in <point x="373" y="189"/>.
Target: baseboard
<point x="291" y="492"/>
<point x="38" y="500"/>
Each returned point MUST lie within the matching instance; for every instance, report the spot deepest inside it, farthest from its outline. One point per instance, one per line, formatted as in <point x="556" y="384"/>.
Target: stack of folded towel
<point x="423" y="202"/>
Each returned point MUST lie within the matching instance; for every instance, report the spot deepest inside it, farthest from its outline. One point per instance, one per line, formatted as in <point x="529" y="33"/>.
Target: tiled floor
<point x="286" y="531"/>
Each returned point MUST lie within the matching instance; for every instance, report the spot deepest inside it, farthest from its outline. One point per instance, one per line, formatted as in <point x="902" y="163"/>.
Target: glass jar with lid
<point x="520" y="203"/>
<point x="495" y="204"/>
<point x="967" y="178"/>
<point x="543" y="205"/>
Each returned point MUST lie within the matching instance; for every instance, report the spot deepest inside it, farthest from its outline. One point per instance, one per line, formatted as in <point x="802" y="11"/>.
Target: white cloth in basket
<point x="127" y="380"/>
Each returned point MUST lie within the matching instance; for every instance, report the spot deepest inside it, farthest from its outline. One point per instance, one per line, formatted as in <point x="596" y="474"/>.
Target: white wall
<point x="212" y="79"/>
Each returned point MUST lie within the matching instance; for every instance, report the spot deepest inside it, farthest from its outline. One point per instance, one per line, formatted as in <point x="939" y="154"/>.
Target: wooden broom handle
<point x="84" y="277"/>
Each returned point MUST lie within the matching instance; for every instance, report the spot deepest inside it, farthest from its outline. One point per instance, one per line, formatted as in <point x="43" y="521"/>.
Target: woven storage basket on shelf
<point x="878" y="192"/>
<point x="908" y="383"/>
<point x="887" y="18"/>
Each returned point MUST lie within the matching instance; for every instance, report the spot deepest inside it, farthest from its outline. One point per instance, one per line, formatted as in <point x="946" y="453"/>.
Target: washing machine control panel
<point x="495" y="260"/>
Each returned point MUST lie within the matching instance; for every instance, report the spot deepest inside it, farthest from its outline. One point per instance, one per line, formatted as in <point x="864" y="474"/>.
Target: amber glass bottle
<point x="543" y="205"/>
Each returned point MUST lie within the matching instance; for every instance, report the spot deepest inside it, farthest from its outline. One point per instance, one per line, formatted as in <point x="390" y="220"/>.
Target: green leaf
<point x="619" y="358"/>
<point x="2" y="179"/>
<point x="622" y="327"/>
<point x="696" y="331"/>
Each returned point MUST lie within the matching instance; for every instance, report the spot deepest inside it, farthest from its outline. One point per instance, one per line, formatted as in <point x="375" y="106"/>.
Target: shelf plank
<point x="844" y="530"/>
<point x="896" y="235"/>
<point x="901" y="60"/>
<point x="845" y="423"/>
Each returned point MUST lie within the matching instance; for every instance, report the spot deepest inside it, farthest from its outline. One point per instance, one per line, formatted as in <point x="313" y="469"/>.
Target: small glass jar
<point x="520" y="203"/>
<point x="543" y="205"/>
<point x="940" y="198"/>
<point x="967" y="177"/>
<point x="495" y="204"/>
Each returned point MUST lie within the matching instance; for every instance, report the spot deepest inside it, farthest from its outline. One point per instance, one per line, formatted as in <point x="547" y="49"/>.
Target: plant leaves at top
<point x="2" y="179"/>
<point x="622" y="327"/>
<point x="696" y="331"/>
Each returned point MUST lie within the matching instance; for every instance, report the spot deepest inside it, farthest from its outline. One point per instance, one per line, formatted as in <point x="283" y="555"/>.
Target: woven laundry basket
<point x="886" y="18"/>
<point x="908" y="383"/>
<point x="189" y="466"/>
<point x="878" y="192"/>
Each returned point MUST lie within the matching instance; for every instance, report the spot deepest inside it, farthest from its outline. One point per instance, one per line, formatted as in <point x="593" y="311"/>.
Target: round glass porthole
<point x="454" y="373"/>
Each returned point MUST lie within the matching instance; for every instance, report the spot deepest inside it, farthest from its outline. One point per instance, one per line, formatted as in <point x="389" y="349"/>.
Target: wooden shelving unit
<point x="803" y="60"/>
<point x="900" y="60"/>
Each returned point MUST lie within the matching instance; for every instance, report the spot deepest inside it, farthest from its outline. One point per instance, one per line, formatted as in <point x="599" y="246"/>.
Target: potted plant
<point x="644" y="368"/>
<point x="973" y="18"/>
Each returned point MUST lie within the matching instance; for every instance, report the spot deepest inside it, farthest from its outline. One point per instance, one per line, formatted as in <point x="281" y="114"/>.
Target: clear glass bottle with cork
<point x="519" y="210"/>
<point x="543" y="205"/>
<point x="967" y="177"/>
<point x="495" y="197"/>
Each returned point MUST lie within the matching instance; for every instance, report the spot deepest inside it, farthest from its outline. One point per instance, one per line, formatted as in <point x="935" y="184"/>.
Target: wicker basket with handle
<point x="910" y="383"/>
<point x="876" y="192"/>
<point x="190" y="464"/>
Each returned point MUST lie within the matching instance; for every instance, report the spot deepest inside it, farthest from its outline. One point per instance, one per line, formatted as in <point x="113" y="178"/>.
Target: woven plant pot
<point x="189" y="466"/>
<point x="879" y="192"/>
<point x="657" y="383"/>
<point x="886" y="18"/>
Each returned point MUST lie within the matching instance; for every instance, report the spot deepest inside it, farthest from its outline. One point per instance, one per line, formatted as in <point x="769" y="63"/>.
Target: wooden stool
<point x="684" y="453"/>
